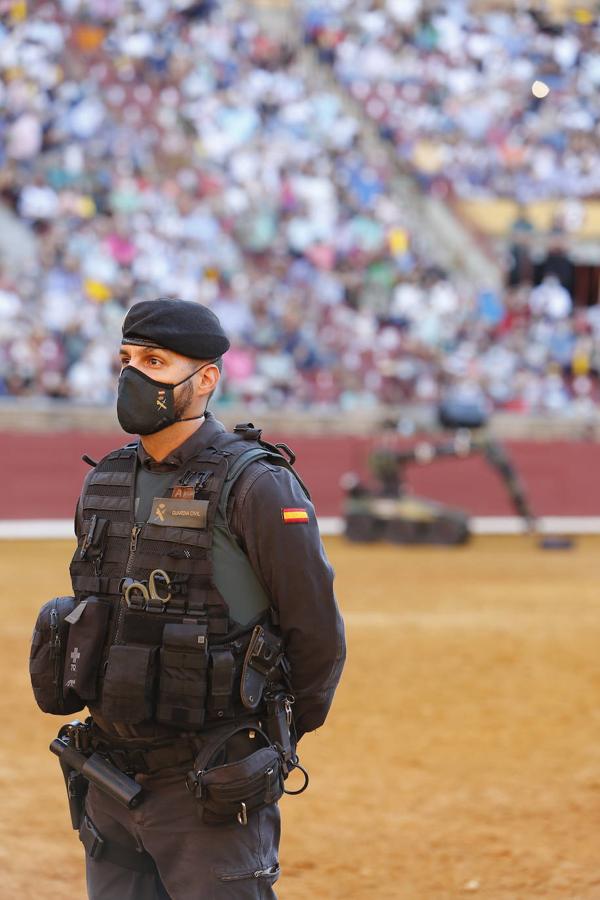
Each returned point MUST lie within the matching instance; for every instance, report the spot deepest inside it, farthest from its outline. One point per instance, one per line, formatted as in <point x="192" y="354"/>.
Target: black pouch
<point x="183" y="675"/>
<point x="221" y="680"/>
<point x="236" y="789"/>
<point x="94" y="541"/>
<point x="87" y="633"/>
<point x="47" y="658"/>
<point x="129" y="683"/>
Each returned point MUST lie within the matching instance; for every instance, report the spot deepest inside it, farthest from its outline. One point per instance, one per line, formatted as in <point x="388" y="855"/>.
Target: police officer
<point x="215" y="528"/>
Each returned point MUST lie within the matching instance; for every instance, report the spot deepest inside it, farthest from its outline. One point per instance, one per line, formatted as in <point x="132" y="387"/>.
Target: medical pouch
<point x="183" y="675"/>
<point x="87" y="632"/>
<point x="129" y="683"/>
<point x="47" y="658"/>
<point x="236" y="789"/>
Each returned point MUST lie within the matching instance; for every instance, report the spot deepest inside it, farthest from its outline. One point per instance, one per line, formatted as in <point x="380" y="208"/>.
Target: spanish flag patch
<point x="291" y="514"/>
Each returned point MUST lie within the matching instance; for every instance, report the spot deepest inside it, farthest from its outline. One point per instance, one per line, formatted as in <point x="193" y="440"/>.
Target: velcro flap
<point x="183" y="660"/>
<point x="192" y="637"/>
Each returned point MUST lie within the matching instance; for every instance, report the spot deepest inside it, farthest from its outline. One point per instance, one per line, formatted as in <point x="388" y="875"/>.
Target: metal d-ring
<point x="296" y="765"/>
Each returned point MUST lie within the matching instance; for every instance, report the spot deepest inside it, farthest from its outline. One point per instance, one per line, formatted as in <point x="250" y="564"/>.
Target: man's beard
<point x="183" y="400"/>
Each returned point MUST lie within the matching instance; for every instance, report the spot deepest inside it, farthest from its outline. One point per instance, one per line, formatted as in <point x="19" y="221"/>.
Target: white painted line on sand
<point x="330" y="526"/>
<point x="36" y="529"/>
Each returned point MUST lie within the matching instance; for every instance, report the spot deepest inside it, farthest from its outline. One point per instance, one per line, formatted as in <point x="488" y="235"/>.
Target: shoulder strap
<point x="120" y="453"/>
<point x="115" y="470"/>
<point x="243" y="461"/>
<point x="93" y="463"/>
<point x="241" y="448"/>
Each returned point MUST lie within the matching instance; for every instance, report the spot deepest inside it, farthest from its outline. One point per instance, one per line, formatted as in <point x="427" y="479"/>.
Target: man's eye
<point x="124" y="362"/>
<point x="155" y="361"/>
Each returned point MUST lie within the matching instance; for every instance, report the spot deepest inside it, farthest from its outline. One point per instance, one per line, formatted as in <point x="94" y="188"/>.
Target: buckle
<point x="118" y="758"/>
<point x="91" y="838"/>
<point x="288" y="452"/>
<point x="128" y="761"/>
<point x="138" y="762"/>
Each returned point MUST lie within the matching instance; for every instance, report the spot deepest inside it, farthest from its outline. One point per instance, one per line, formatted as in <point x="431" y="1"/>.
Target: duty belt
<point x="136" y="760"/>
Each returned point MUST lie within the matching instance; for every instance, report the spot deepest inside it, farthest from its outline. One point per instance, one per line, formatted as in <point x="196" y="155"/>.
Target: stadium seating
<point x="177" y="149"/>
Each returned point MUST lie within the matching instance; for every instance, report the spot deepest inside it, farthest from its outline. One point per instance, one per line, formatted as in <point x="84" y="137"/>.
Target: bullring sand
<point x="462" y="756"/>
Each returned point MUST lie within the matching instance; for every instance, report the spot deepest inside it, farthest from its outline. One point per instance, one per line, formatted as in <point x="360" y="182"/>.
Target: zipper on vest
<point x="132" y="548"/>
<point x="55" y="654"/>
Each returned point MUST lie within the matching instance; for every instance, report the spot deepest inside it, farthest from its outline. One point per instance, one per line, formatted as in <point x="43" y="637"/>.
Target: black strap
<point x="101" y="850"/>
<point x="141" y="759"/>
<point x="221" y="681"/>
<point x="90" y="584"/>
<point x="166" y="757"/>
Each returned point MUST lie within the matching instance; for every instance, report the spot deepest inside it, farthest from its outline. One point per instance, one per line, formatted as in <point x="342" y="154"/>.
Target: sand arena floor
<point x="462" y="756"/>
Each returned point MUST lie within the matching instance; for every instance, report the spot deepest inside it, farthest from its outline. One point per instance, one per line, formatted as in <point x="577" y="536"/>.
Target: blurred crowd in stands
<point x="164" y="149"/>
<point x="452" y="89"/>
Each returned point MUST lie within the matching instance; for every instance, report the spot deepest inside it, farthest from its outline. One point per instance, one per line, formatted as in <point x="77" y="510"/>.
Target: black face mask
<point x="144" y="405"/>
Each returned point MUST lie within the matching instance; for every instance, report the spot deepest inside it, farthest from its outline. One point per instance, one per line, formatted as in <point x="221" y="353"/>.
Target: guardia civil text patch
<point x="291" y="514"/>
<point x="185" y="513"/>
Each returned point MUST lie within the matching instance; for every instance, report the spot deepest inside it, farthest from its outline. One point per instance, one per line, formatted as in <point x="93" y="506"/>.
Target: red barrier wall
<point x="42" y="474"/>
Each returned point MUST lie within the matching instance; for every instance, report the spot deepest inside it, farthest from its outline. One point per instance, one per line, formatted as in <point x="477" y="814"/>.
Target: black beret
<point x="180" y="325"/>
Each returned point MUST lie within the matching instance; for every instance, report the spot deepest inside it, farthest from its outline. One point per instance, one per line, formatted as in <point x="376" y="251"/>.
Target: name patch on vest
<point x="182" y="513"/>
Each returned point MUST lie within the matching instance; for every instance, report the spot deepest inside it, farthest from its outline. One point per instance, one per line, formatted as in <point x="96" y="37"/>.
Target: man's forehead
<point x="127" y="347"/>
<point x="135" y="347"/>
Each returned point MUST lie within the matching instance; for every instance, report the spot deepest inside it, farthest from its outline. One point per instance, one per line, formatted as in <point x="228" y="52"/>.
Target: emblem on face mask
<point x="144" y="405"/>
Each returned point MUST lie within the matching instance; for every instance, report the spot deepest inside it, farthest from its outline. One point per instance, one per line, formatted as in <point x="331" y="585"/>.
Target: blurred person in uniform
<point x="206" y="600"/>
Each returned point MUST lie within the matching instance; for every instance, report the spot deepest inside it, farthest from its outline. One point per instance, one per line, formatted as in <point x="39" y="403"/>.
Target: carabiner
<point x="242" y="816"/>
<point x="140" y="593"/>
<point x="164" y="578"/>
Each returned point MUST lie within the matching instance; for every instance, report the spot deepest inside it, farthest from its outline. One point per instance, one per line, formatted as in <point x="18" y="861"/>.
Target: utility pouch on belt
<point x="183" y="675"/>
<point x="128" y="691"/>
<point x="84" y="647"/>
<point x="235" y="789"/>
<point x="47" y="658"/>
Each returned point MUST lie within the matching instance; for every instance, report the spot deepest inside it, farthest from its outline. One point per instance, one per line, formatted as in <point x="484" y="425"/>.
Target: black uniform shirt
<point x="288" y="559"/>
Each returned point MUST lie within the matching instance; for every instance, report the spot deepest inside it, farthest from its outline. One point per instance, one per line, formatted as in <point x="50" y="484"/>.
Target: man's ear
<point x="208" y="378"/>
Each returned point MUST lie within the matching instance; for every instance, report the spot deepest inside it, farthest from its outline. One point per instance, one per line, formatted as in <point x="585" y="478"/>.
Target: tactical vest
<point x="153" y="640"/>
